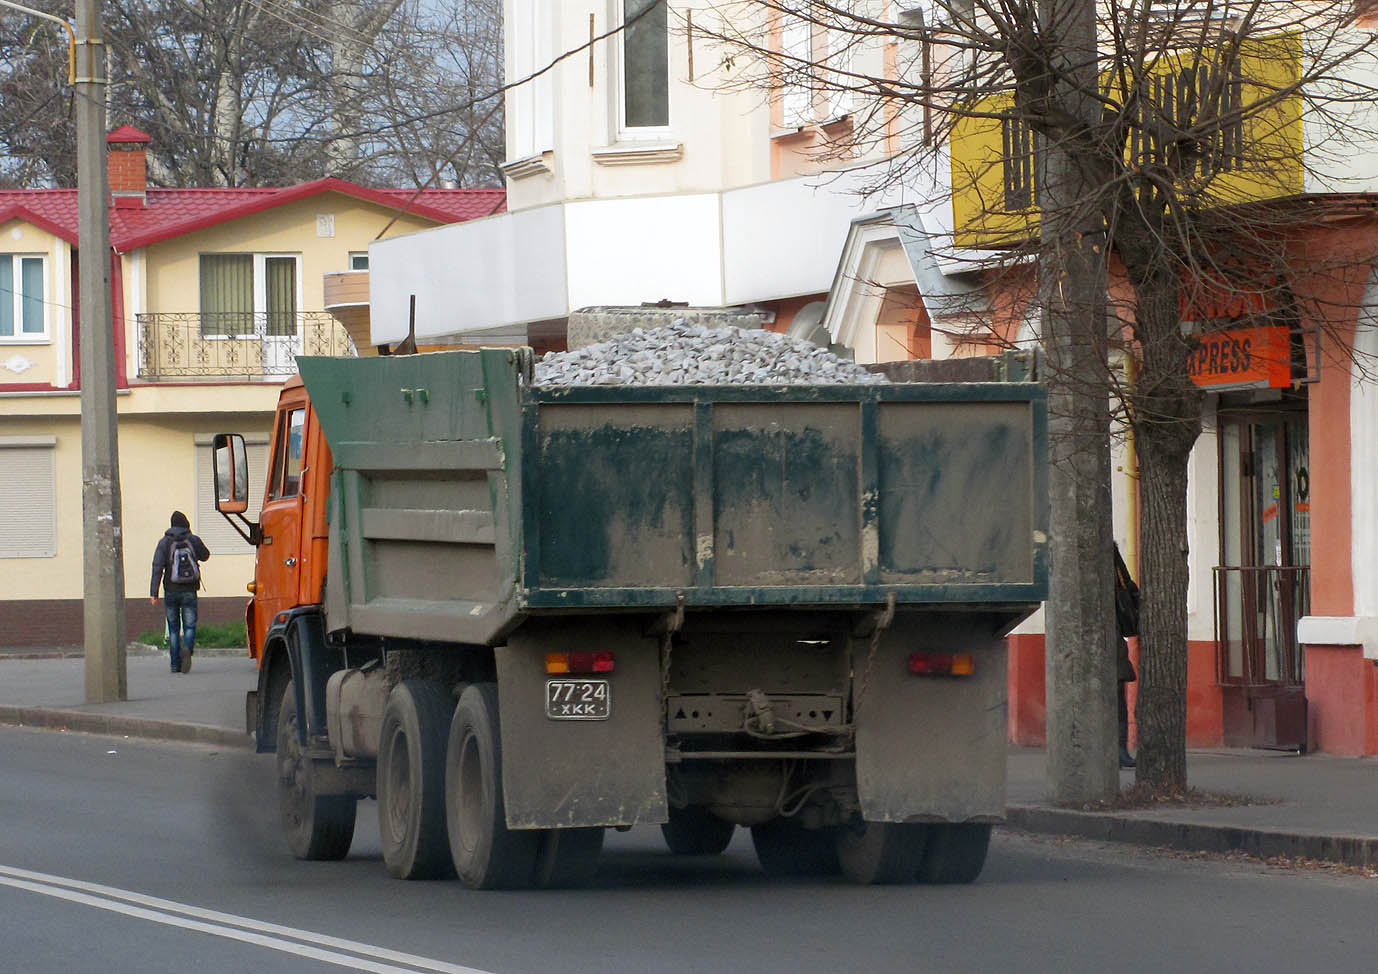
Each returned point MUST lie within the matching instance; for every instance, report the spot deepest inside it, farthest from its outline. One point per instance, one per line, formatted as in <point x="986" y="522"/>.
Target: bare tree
<point x="1172" y="142"/>
<point x="269" y="92"/>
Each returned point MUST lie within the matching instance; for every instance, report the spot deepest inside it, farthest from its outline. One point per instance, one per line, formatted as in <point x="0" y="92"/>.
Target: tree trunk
<point x="1167" y="420"/>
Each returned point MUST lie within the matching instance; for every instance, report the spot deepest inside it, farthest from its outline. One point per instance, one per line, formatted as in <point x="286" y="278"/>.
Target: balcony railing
<point x="234" y="345"/>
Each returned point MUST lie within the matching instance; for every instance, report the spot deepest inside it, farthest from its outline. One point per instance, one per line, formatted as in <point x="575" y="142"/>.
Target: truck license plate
<point x="578" y="699"/>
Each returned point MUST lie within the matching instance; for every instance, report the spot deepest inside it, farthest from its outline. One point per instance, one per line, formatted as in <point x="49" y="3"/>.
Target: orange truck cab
<point x="291" y="537"/>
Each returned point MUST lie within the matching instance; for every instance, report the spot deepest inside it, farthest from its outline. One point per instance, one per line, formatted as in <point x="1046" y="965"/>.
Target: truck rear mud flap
<point x="578" y="749"/>
<point x="930" y="747"/>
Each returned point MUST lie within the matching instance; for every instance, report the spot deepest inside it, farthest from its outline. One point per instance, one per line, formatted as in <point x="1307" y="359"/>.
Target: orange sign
<point x="1242" y="358"/>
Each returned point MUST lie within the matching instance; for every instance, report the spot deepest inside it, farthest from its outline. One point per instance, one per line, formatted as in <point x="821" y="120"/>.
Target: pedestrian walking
<point x="1126" y="624"/>
<point x="177" y="568"/>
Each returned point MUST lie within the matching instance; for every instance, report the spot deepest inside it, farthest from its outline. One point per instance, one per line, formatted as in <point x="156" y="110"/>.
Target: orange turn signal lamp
<point x="942" y="664"/>
<point x="600" y="661"/>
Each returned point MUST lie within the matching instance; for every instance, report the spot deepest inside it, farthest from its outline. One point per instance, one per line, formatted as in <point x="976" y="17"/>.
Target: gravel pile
<point x="686" y="354"/>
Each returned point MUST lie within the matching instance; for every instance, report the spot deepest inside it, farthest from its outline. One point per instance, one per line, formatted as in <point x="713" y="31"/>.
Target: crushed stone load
<point x="685" y="354"/>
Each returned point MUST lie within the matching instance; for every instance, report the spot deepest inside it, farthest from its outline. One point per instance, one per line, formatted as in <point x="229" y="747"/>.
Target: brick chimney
<point x="127" y="166"/>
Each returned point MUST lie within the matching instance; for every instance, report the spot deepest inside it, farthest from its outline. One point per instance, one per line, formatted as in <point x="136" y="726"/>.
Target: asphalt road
<point x="119" y="855"/>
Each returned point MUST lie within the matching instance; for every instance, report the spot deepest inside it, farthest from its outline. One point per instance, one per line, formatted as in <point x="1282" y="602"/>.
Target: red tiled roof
<point x="171" y="213"/>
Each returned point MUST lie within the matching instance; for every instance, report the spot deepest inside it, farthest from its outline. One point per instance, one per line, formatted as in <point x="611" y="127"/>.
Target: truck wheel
<point x="316" y="826"/>
<point x="487" y="854"/>
<point x="567" y="857"/>
<point x="956" y="852"/>
<point x="881" y="852"/>
<point x="411" y="781"/>
<point x="786" y="849"/>
<point x="696" y="832"/>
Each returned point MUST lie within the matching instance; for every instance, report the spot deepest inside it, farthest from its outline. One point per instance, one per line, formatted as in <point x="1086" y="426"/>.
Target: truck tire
<point x="955" y="852"/>
<point x="881" y="852"/>
<point x="411" y="781"/>
<point x="787" y="849"/>
<point x="696" y="831"/>
<point x="567" y="858"/>
<point x="486" y="853"/>
<point x="319" y="827"/>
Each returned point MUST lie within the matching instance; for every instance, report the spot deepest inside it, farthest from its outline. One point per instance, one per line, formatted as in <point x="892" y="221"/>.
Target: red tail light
<point x="942" y="664"/>
<point x="598" y="661"/>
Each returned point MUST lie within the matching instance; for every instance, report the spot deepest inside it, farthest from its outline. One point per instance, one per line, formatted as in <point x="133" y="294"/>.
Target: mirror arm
<point x="251" y="531"/>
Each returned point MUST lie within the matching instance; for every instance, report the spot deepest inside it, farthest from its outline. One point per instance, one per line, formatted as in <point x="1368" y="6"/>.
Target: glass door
<point x="1262" y="585"/>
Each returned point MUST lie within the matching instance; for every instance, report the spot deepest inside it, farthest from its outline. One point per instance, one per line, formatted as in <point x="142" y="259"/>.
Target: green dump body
<point x="466" y="500"/>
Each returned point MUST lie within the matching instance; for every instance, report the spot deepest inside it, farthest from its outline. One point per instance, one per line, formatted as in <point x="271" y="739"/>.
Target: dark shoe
<point x="1127" y="759"/>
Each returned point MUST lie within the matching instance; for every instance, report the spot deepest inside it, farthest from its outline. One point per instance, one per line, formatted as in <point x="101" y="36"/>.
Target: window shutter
<point x="28" y="500"/>
<point x="220" y="537"/>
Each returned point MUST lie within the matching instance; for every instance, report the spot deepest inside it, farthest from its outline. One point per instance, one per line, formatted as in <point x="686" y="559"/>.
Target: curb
<point x="135" y="650"/>
<point x="1348" y="850"/>
<point x="122" y="726"/>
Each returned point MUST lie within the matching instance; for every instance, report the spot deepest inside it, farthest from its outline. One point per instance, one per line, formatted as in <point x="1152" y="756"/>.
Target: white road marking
<point x="304" y="943"/>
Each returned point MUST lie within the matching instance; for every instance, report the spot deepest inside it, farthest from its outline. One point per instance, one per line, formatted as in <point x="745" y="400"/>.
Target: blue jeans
<point x="180" y="608"/>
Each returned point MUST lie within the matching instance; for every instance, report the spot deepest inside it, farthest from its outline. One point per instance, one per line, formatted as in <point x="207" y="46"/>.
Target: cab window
<point x="287" y="458"/>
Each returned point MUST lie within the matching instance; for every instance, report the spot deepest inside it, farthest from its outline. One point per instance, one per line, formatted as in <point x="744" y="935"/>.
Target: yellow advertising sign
<point x="1253" y="153"/>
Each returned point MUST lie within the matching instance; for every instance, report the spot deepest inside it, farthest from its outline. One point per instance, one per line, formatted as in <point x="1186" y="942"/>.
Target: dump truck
<point x="518" y="615"/>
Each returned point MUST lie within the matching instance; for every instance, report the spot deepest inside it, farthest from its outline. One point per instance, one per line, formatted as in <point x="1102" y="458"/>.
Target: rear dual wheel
<point x="787" y="850"/>
<point x="696" y="831"/>
<point x="486" y="853"/>
<point x="315" y="826"/>
<point x="892" y="852"/>
<point x="411" y="781"/>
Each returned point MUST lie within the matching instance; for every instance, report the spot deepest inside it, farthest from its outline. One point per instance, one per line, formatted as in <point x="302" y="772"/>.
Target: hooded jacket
<point x="162" y="558"/>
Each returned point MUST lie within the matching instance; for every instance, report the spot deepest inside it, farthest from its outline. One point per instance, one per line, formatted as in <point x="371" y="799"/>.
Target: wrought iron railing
<point x="234" y="345"/>
<point x="1256" y="614"/>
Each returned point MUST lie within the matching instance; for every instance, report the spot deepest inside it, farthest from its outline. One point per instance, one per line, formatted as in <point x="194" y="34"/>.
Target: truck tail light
<point x="599" y="661"/>
<point x="942" y="664"/>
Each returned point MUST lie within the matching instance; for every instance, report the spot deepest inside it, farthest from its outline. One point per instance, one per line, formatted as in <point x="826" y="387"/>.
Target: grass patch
<point x="213" y="635"/>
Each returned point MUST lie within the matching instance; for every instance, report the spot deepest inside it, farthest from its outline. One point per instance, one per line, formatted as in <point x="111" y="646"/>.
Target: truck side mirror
<point x="230" y="464"/>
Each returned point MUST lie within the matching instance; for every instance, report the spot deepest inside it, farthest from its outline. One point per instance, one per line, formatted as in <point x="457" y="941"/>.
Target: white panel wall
<point x="630" y="251"/>
<point x="497" y="271"/>
<point x="782" y="239"/>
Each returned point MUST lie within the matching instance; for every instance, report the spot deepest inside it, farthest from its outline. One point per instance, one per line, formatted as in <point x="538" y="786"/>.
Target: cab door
<point x="278" y="569"/>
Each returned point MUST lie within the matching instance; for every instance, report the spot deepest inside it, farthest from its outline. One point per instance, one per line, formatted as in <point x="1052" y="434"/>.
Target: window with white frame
<point x="530" y="106"/>
<point x="210" y="526"/>
<point x="816" y="66"/>
<point x="358" y="260"/>
<point x="644" y="96"/>
<point x="28" y="496"/>
<point x="796" y="71"/>
<point x="23" y="304"/>
<point x="247" y="294"/>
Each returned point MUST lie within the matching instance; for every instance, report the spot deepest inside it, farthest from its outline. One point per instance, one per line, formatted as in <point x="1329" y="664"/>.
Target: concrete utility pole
<point x="103" y="614"/>
<point x="1082" y="739"/>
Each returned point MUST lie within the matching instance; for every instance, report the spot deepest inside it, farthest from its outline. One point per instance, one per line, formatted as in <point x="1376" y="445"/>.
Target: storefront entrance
<point x="1262" y="586"/>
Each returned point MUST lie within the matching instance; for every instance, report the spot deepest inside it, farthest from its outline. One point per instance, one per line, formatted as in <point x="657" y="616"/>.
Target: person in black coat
<point x="179" y="590"/>
<point x="1126" y="624"/>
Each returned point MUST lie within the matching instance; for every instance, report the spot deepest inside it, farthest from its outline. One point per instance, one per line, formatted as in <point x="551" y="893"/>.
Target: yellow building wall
<point x="40" y="360"/>
<point x="165" y="277"/>
<point x="160" y="422"/>
<point x="172" y="267"/>
<point x="1270" y="153"/>
<point x="157" y="476"/>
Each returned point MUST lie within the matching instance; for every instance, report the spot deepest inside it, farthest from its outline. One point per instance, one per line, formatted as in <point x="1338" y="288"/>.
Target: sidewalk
<point x="1301" y="806"/>
<point x="1311" y="806"/>
<point x="204" y="706"/>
